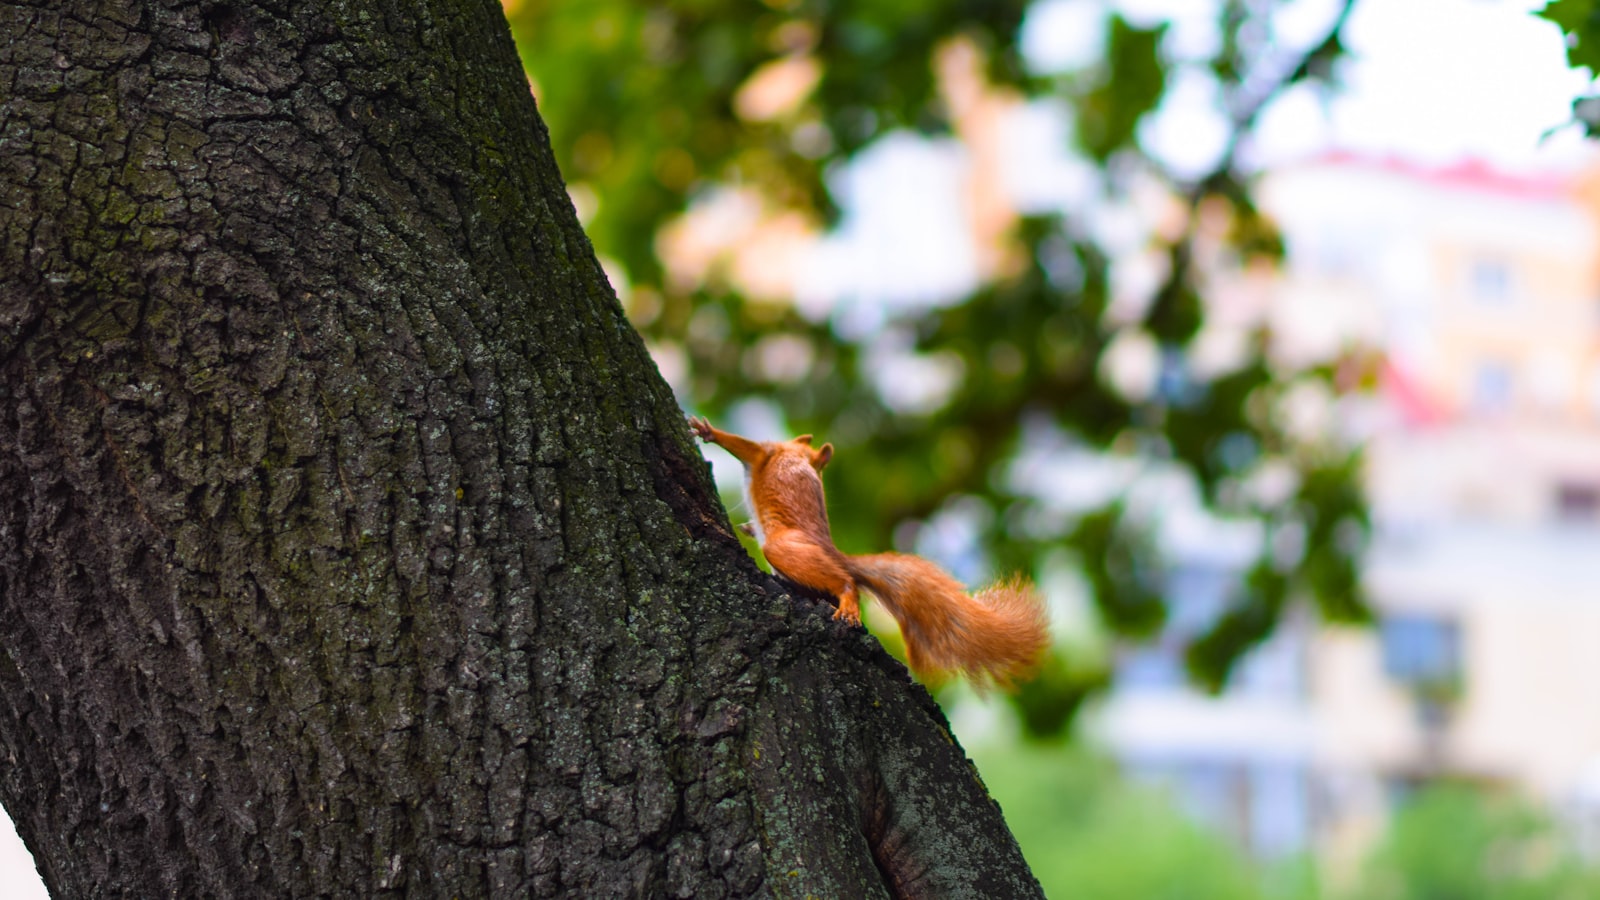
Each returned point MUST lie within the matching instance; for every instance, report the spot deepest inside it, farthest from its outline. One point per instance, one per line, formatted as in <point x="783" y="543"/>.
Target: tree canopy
<point x="655" y="113"/>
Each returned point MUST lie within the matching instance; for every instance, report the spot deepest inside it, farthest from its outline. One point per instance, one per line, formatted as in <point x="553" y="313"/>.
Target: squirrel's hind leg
<point x="805" y="562"/>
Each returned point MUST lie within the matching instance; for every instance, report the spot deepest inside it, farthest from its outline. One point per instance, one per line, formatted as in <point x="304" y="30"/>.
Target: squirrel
<point x="996" y="637"/>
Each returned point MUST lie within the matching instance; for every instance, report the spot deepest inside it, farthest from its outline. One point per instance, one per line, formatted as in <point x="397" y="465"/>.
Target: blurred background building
<point x="1480" y="291"/>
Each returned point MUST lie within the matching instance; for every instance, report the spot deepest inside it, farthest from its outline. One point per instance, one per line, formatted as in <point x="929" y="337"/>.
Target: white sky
<point x="1438" y="80"/>
<point x="1429" y="80"/>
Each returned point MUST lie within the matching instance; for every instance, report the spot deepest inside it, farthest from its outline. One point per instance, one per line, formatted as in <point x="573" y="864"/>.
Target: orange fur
<point x="996" y="637"/>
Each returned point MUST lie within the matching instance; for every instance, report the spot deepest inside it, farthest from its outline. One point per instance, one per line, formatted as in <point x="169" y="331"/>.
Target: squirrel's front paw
<point x="701" y="428"/>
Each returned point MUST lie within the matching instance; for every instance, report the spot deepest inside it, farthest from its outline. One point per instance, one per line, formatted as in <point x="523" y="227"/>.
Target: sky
<point x="1433" y="81"/>
<point x="1439" y="80"/>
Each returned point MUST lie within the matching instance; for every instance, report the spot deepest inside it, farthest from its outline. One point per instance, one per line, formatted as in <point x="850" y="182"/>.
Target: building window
<point x="1261" y="804"/>
<point x="1337" y="256"/>
<point x="1489" y="281"/>
<point x="1491" y="387"/>
<point x="1578" y="502"/>
<point x="1421" y="651"/>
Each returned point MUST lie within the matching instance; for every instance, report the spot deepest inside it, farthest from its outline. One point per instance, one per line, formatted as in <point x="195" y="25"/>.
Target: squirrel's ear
<point x="803" y="439"/>
<point x="820" y="457"/>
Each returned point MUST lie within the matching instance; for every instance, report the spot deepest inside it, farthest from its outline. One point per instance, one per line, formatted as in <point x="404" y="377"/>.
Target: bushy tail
<point x="995" y="637"/>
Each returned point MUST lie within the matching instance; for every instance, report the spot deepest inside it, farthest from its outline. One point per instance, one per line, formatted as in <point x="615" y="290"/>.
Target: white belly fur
<point x="755" y="514"/>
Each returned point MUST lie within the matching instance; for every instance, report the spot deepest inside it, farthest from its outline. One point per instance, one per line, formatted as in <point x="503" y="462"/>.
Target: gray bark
<point x="350" y="543"/>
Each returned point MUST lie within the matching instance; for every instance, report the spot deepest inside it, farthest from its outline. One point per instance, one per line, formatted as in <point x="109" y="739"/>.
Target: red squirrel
<point x="997" y="636"/>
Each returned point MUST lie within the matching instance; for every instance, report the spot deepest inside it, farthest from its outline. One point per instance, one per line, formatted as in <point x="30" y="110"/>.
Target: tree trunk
<point x="350" y="543"/>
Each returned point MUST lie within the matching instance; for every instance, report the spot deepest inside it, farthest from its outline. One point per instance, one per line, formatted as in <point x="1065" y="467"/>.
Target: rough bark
<point x="350" y="543"/>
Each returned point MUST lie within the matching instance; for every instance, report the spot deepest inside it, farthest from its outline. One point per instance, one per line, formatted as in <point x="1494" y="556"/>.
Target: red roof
<point x="1469" y="174"/>
<point x="1416" y="407"/>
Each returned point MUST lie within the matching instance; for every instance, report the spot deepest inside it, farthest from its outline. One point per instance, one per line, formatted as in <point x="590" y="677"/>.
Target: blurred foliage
<point x="651" y="111"/>
<point x="1580" y="21"/>
<point x="1087" y="832"/>
<point x="1456" y="843"/>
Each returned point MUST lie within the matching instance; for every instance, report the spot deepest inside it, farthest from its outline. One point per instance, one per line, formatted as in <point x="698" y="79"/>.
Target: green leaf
<point x="1134" y="81"/>
<point x="1580" y="20"/>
